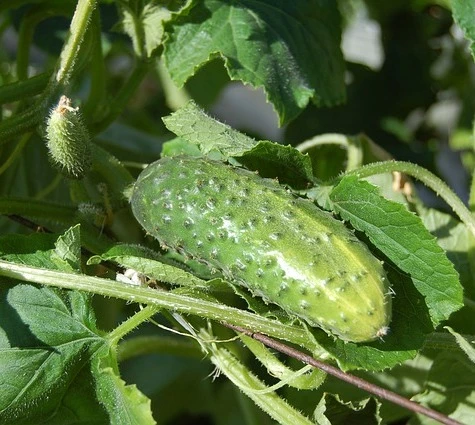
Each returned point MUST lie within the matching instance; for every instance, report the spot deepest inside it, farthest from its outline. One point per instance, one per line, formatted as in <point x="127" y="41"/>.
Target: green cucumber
<point x="260" y="236"/>
<point x="68" y="140"/>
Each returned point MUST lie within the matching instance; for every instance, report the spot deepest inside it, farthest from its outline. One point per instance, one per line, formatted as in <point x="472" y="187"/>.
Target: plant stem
<point x="69" y="54"/>
<point x="471" y="198"/>
<point x="132" y="322"/>
<point x="21" y="123"/>
<point x="97" y="92"/>
<point x="162" y="299"/>
<point x="24" y="89"/>
<point x="239" y="375"/>
<point x="38" y="209"/>
<point x="351" y="379"/>
<point x="351" y="144"/>
<point x="442" y="341"/>
<point x="117" y="105"/>
<point x="26" y="31"/>
<point x="16" y="152"/>
<point x="426" y="177"/>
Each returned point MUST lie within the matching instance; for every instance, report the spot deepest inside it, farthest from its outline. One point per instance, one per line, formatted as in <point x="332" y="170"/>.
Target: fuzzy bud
<point x="68" y="140"/>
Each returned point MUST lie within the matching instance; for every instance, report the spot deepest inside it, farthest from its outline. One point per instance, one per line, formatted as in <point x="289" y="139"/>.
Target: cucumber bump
<point x="281" y="247"/>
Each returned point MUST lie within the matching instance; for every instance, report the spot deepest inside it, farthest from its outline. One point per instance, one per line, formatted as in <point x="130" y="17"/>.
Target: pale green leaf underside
<point x="290" y="48"/>
<point x="194" y="125"/>
<point x="402" y="237"/>
<point x="144" y="27"/>
<point x="214" y="138"/>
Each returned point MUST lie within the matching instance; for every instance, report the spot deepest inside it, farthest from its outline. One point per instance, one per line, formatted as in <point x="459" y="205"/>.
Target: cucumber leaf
<point x="219" y="140"/>
<point x="56" y="365"/>
<point x="269" y="158"/>
<point x="291" y="49"/>
<point x="458" y="242"/>
<point x="144" y="25"/>
<point x="401" y="236"/>
<point x="46" y="340"/>
<point x="191" y="123"/>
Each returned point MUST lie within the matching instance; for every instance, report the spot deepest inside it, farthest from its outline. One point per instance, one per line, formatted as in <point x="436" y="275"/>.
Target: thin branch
<point x="28" y="223"/>
<point x="351" y="379"/>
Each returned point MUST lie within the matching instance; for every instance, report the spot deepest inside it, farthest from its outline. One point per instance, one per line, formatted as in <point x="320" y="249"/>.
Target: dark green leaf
<point x="56" y="365"/>
<point x="46" y="343"/>
<point x="284" y="162"/>
<point x="402" y="237"/>
<point x="291" y="49"/>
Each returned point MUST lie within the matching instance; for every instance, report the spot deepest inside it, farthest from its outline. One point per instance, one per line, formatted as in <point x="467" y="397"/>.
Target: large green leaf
<point x="46" y="342"/>
<point x="402" y="237"/>
<point x="290" y="48"/>
<point x="56" y="365"/>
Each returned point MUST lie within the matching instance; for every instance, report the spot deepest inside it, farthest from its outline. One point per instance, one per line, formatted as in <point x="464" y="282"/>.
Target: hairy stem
<point x="351" y="379"/>
<point x="69" y="54"/>
<point x="132" y="322"/>
<point x="24" y="89"/>
<point x="118" y="104"/>
<point x="162" y="299"/>
<point x="30" y="118"/>
<point x="426" y="177"/>
<point x="239" y="375"/>
<point x="351" y="144"/>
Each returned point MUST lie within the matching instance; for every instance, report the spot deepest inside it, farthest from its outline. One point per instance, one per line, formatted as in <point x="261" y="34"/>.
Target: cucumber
<point x="68" y="140"/>
<point x="260" y="236"/>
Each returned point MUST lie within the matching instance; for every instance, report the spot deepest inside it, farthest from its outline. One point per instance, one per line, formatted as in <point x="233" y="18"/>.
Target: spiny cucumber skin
<point x="68" y="140"/>
<point x="282" y="248"/>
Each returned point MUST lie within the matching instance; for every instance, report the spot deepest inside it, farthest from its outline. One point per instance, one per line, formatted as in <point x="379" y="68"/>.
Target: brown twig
<point x="351" y="379"/>
<point x="28" y="223"/>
